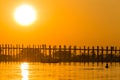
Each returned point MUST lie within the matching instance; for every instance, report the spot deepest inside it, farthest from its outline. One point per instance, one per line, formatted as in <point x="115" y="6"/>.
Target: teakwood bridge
<point x="51" y="54"/>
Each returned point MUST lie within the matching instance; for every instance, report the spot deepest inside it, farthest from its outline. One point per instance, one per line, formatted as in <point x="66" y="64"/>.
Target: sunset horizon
<point x="59" y="40"/>
<point x="62" y="23"/>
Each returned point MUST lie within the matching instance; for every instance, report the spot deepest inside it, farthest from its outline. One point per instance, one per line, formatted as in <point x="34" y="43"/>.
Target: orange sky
<point x="71" y="22"/>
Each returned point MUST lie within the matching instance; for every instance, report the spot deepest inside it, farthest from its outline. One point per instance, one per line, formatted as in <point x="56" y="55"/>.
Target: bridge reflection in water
<point x="24" y="71"/>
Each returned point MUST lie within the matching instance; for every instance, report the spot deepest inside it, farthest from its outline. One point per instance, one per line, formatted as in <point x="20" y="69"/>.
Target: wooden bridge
<point x="44" y="53"/>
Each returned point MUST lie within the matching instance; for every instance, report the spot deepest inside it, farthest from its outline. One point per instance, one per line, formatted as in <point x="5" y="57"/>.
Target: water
<point x="63" y="71"/>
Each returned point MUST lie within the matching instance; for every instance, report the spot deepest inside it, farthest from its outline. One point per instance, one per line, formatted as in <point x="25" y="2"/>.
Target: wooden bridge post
<point x="84" y="54"/>
<point x="5" y="49"/>
<point x="64" y="48"/>
<point x="111" y="53"/>
<point x="0" y="53"/>
<point x="106" y="54"/>
<point x="14" y="47"/>
<point x="35" y="52"/>
<point x="84" y="50"/>
<point x="93" y="54"/>
<point x="8" y="59"/>
<point x="80" y="53"/>
<point x="19" y="52"/>
<point x="16" y="52"/>
<point x="74" y="59"/>
<point x="5" y="53"/>
<point x="55" y="48"/>
<point x="0" y="49"/>
<point x="60" y="50"/>
<point x="64" y="58"/>
<point x="74" y="50"/>
<point x="116" y="54"/>
<point x="119" y="55"/>
<point x="27" y="54"/>
<point x="98" y="54"/>
<point x="45" y="50"/>
<point x="54" y="51"/>
<point x="50" y="54"/>
<point x="88" y="54"/>
<point x="38" y="53"/>
<point x="70" y="53"/>
<point x="115" y="49"/>
<point x="80" y="50"/>
<point x="40" y="49"/>
<point x="102" y="51"/>
<point x="22" y="52"/>
<point x="11" y="53"/>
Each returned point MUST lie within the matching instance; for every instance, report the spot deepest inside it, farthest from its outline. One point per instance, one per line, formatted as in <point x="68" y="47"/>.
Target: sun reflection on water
<point x="24" y="71"/>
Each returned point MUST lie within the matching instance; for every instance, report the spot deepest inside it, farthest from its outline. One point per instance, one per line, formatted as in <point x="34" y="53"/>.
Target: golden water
<point x="56" y="71"/>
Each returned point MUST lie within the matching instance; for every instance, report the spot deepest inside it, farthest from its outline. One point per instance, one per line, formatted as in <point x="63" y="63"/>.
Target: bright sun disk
<point x="25" y="15"/>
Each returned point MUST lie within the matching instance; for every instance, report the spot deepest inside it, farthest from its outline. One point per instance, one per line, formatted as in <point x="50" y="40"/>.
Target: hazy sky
<point x="71" y="22"/>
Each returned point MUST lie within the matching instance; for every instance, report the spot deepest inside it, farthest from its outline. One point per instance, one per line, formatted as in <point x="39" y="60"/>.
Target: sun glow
<point x="24" y="71"/>
<point x="25" y="15"/>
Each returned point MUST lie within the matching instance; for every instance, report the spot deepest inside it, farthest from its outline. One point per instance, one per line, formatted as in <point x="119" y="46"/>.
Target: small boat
<point x="106" y="66"/>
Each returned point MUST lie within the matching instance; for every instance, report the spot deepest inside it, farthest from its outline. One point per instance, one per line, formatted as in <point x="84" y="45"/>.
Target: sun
<point x="25" y="15"/>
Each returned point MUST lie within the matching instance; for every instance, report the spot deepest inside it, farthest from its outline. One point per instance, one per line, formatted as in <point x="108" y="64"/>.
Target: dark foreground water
<point x="63" y="71"/>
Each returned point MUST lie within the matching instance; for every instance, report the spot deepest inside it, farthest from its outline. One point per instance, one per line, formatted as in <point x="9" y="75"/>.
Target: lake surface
<point x="57" y="71"/>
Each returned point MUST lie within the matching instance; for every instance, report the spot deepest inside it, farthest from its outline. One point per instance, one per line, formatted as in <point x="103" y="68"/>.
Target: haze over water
<point x="56" y="71"/>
